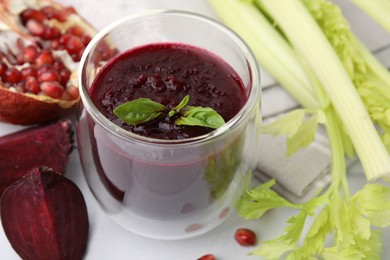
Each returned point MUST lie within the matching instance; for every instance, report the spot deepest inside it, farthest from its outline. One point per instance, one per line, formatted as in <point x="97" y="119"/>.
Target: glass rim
<point x="253" y="95"/>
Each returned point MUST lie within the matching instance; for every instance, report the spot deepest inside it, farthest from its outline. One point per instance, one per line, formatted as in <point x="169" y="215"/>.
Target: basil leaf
<point x="200" y="116"/>
<point x="182" y="104"/>
<point x="139" y="111"/>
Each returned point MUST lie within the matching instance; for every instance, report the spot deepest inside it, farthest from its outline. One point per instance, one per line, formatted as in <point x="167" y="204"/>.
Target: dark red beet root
<point x="47" y="145"/>
<point x="44" y="216"/>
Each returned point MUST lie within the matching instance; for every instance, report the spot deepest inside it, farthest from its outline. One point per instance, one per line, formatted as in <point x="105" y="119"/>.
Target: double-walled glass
<point x="159" y="188"/>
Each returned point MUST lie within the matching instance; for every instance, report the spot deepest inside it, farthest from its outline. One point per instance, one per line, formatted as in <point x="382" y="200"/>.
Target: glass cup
<point x="158" y="188"/>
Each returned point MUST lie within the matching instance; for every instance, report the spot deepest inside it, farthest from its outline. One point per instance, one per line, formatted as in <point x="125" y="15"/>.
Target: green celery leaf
<point x="373" y="201"/>
<point x="315" y="237"/>
<point x="372" y="247"/>
<point x="294" y="230"/>
<point x="139" y="111"/>
<point x="254" y="203"/>
<point x="286" y="125"/>
<point x="360" y="225"/>
<point x="338" y="215"/>
<point x="200" y="116"/>
<point x="303" y="137"/>
<point x="273" y="249"/>
<point x="311" y="205"/>
<point x="349" y="253"/>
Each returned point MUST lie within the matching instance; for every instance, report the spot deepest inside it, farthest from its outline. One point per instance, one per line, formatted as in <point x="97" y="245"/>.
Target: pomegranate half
<point x="41" y="45"/>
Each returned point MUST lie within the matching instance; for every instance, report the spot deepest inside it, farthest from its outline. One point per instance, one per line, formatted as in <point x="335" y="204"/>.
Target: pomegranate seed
<point x="50" y="75"/>
<point x="31" y="85"/>
<point x="70" y="10"/>
<point x="52" y="89"/>
<point x="52" y="13"/>
<point x="207" y="257"/>
<point x="3" y="68"/>
<point x="64" y="38"/>
<point x="30" y="53"/>
<point x="35" y="27"/>
<point x="12" y="75"/>
<point x="74" y="44"/>
<point x="20" y="87"/>
<point x="45" y="67"/>
<point x="79" y="54"/>
<point x="85" y="38"/>
<point x="65" y="75"/>
<point x="75" y="30"/>
<point x="245" y="237"/>
<point x="32" y="14"/>
<point x="44" y="57"/>
<point x="29" y="72"/>
<point x="51" y="33"/>
<point x="73" y="92"/>
<point x="55" y="45"/>
<point x="58" y="65"/>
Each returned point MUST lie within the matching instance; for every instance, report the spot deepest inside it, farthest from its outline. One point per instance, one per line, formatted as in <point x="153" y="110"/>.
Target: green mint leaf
<point x="200" y="116"/>
<point x="139" y="111"/>
<point x="181" y="105"/>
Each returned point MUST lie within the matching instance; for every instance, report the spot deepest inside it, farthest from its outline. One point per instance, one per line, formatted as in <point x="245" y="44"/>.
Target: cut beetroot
<point x="44" y="216"/>
<point x="47" y="145"/>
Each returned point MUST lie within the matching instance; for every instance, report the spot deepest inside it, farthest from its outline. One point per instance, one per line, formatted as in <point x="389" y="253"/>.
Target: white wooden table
<point x="108" y="241"/>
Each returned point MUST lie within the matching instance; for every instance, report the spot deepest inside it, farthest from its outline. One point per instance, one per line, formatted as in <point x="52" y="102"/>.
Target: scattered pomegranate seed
<point x="44" y="57"/>
<point x="245" y="237"/>
<point x="12" y="75"/>
<point x="31" y="85"/>
<point x="28" y="72"/>
<point x="50" y="75"/>
<point x="35" y="27"/>
<point x="52" y="89"/>
<point x="207" y="257"/>
<point x="193" y="227"/>
<point x="32" y="14"/>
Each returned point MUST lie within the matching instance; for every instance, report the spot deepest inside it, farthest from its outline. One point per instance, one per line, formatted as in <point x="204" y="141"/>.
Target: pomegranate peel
<point x="44" y="216"/>
<point x="38" y="33"/>
<point x="48" y="145"/>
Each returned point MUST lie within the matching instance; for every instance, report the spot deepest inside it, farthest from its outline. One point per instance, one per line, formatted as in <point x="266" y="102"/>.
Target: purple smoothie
<point x="165" y="73"/>
<point x="151" y="183"/>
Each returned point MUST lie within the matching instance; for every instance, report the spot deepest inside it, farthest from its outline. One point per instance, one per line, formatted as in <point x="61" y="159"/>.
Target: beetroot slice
<point x="48" y="145"/>
<point x="44" y="216"/>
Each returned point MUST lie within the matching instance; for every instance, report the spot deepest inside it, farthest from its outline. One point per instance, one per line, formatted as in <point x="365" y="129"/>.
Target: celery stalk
<point x="307" y="38"/>
<point x="379" y="10"/>
<point x="280" y="60"/>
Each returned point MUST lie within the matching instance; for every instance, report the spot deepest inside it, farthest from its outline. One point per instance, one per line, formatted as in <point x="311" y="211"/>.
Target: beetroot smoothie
<point x="165" y="73"/>
<point x="167" y="188"/>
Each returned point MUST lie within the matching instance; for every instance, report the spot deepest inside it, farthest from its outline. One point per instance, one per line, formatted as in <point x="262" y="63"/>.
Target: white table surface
<point x="108" y="241"/>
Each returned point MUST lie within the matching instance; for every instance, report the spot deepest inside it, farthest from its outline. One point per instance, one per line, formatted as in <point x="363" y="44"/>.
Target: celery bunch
<point x="308" y="47"/>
